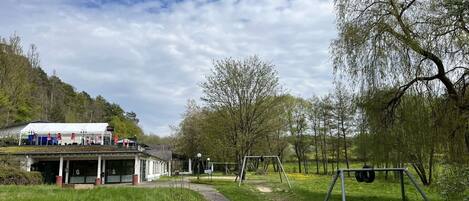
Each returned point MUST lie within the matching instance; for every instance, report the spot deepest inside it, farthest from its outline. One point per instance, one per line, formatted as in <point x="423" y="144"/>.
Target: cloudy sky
<point x="150" y="56"/>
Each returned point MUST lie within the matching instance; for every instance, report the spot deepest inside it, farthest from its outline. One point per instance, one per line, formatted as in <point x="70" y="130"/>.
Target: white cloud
<point x="150" y="56"/>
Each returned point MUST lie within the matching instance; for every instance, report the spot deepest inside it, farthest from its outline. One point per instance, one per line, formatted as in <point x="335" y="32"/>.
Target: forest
<point x="27" y="94"/>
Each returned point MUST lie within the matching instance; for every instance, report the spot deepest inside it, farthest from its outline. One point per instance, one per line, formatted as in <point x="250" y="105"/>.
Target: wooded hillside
<point x="27" y="93"/>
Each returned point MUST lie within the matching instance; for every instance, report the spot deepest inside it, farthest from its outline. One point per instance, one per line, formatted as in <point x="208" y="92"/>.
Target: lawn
<point x="314" y="188"/>
<point x="52" y="193"/>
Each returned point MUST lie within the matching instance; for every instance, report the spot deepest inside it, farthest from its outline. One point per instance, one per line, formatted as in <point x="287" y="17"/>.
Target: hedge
<point x="13" y="175"/>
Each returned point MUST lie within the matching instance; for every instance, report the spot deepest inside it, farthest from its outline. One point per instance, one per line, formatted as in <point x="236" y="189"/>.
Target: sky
<point x="151" y="56"/>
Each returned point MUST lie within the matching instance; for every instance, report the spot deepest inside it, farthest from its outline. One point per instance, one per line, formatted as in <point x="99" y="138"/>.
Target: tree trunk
<point x="316" y="150"/>
<point x="345" y="148"/>
<point x="430" y="166"/>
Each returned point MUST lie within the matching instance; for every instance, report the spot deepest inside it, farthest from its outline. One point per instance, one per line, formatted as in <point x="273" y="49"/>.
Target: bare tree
<point x="244" y="92"/>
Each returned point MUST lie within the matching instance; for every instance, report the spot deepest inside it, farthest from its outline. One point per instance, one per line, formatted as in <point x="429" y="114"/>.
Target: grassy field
<point x="314" y="188"/>
<point x="52" y="193"/>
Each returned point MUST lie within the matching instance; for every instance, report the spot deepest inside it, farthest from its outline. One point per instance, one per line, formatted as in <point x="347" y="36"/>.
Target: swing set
<point x="262" y="159"/>
<point x="368" y="175"/>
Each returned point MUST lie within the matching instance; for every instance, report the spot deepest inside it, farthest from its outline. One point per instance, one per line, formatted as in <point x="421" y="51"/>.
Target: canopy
<point x="53" y="128"/>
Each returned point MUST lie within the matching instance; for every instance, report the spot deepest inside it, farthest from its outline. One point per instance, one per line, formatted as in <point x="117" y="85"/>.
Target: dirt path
<point x="208" y="191"/>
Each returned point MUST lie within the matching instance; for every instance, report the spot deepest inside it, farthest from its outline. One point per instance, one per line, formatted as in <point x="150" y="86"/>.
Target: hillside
<point x="27" y="93"/>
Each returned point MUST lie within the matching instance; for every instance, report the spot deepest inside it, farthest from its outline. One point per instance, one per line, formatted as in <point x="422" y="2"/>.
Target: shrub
<point x="453" y="182"/>
<point x="13" y="175"/>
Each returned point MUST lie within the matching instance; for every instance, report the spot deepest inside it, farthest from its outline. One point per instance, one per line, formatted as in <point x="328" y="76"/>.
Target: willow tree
<point x="244" y="93"/>
<point x="408" y="45"/>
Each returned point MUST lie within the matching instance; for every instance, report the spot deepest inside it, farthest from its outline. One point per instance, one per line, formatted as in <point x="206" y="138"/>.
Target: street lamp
<point x="209" y="166"/>
<point x="199" y="155"/>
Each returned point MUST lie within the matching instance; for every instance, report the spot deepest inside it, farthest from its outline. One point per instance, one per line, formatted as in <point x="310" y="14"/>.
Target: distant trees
<point x="27" y="93"/>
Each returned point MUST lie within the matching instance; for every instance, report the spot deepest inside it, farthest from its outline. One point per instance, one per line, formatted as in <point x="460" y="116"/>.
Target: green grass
<point x="52" y="193"/>
<point x="231" y="190"/>
<point x="314" y="188"/>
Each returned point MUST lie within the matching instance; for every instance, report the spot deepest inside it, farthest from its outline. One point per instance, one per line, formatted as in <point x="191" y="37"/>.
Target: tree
<point x="243" y="93"/>
<point x="326" y="120"/>
<point x="407" y="45"/>
<point x="344" y="112"/>
<point x="314" y="118"/>
<point x="297" y="127"/>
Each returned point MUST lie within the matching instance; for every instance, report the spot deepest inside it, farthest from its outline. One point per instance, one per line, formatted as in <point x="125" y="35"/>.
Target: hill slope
<point x="27" y="93"/>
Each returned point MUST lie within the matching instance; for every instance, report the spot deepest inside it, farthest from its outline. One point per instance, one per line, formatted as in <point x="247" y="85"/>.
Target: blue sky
<point x="151" y="56"/>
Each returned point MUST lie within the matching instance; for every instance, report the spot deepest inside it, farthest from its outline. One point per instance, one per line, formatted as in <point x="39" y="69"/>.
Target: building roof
<point x="162" y="151"/>
<point x="72" y="149"/>
<point x="42" y="128"/>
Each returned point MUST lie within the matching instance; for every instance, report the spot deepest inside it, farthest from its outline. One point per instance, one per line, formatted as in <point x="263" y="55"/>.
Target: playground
<point x="262" y="185"/>
<point x="309" y="187"/>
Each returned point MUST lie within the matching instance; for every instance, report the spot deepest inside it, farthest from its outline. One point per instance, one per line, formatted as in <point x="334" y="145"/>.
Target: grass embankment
<point x="52" y="193"/>
<point x="314" y="188"/>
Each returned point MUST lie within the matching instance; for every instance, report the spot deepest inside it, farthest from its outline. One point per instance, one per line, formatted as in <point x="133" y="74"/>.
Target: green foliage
<point x="12" y="175"/>
<point x="8" y="141"/>
<point x="27" y="93"/>
<point x="125" y="128"/>
<point x="453" y="182"/>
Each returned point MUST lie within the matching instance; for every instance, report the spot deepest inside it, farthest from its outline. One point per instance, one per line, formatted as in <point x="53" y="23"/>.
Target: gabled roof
<point x="160" y="151"/>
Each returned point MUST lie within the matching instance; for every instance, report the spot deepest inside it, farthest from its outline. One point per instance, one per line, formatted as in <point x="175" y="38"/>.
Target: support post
<point x="98" y="173"/>
<point x="67" y="170"/>
<point x="58" y="179"/>
<point x="135" y="177"/>
<point x="28" y="163"/>
<point x="342" y="178"/>
<point x="416" y="186"/>
<point x="331" y="187"/>
<point x="401" y="176"/>
<point x="279" y="172"/>
<point x="190" y="166"/>
<point x="103" y="179"/>
<point x="283" y="170"/>
<point x="242" y="171"/>
<point x="169" y="167"/>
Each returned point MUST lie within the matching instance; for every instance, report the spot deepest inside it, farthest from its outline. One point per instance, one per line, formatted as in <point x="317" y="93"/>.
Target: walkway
<point x="208" y="191"/>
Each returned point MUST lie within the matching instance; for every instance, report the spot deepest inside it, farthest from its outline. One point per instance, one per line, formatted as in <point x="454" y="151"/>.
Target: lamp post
<point x="199" y="155"/>
<point x="208" y="166"/>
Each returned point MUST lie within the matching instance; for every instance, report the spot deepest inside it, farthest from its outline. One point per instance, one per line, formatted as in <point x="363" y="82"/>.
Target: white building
<point x="82" y="153"/>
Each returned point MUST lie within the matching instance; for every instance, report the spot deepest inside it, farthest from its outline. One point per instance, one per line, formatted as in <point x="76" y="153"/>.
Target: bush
<point x="454" y="182"/>
<point x="13" y="175"/>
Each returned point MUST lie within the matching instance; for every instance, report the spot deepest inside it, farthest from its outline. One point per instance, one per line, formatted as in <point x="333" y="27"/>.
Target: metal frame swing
<point x="340" y="173"/>
<point x="278" y="161"/>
